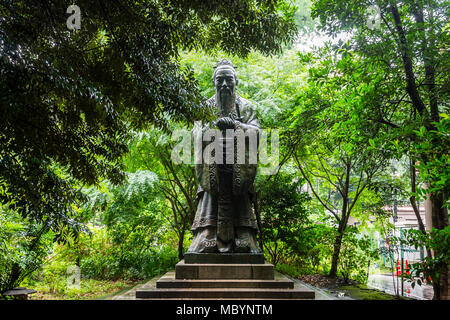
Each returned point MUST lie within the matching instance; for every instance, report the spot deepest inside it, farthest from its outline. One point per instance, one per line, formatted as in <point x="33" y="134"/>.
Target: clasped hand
<point x="226" y="123"/>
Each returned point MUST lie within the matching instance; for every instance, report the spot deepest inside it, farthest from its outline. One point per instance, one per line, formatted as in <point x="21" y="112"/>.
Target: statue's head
<point x="225" y="78"/>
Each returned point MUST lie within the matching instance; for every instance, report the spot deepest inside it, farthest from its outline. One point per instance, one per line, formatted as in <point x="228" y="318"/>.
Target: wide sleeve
<point x="249" y="115"/>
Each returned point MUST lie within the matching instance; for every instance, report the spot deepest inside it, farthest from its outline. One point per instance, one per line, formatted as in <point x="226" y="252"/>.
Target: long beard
<point x="226" y="100"/>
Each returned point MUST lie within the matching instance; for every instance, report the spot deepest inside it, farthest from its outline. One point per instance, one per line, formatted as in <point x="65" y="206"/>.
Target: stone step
<point x="205" y="271"/>
<point x="169" y="281"/>
<point x="170" y="288"/>
<point x="225" y="293"/>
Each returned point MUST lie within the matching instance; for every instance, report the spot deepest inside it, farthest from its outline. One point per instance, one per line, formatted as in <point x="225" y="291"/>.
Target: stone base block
<point x="168" y="281"/>
<point x="224" y="258"/>
<point x="226" y="293"/>
<point x="206" y="271"/>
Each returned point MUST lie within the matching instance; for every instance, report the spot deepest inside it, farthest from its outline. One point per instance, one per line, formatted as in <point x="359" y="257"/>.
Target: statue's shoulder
<point x="244" y="102"/>
<point x="245" y="106"/>
<point x="211" y="102"/>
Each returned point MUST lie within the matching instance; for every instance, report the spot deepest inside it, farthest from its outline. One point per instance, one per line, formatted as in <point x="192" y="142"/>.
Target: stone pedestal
<point x="224" y="280"/>
<point x="222" y="258"/>
<point x="212" y="271"/>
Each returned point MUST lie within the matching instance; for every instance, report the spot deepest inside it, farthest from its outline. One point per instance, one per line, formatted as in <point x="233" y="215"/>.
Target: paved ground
<point x="384" y="283"/>
<point x="130" y="294"/>
<point x="320" y="293"/>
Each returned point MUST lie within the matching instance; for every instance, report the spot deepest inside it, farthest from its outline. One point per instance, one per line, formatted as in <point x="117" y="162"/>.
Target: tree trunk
<point x="436" y="285"/>
<point x="258" y="220"/>
<point x="342" y="223"/>
<point x="440" y="221"/>
<point x="411" y="87"/>
<point x="443" y="285"/>
<point x="337" y="250"/>
<point x="180" y="244"/>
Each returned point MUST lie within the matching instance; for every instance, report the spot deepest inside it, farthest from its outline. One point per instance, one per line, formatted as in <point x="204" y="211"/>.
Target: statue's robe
<point x="226" y="192"/>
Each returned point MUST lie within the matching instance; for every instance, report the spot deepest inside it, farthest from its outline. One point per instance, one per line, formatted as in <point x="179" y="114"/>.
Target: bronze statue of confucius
<point x="225" y="221"/>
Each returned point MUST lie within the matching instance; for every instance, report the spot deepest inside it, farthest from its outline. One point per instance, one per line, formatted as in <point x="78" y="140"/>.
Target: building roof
<point x="406" y="218"/>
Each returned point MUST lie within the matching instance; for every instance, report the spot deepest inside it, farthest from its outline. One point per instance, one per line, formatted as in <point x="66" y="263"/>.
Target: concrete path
<point x="131" y="293"/>
<point x="384" y="282"/>
<point x="321" y="294"/>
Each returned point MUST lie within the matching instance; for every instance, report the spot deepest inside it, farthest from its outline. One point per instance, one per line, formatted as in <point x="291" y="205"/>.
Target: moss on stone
<point x="362" y="292"/>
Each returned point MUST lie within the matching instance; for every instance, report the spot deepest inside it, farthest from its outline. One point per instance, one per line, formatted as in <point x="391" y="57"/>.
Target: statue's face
<point x="225" y="81"/>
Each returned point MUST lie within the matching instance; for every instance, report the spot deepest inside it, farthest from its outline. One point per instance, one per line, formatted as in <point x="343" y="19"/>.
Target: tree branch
<point x="312" y="188"/>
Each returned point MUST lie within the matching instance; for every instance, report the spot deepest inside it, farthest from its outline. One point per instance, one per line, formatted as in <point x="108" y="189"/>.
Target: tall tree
<point x="152" y="150"/>
<point x="69" y="98"/>
<point x="284" y="217"/>
<point x="410" y="41"/>
<point x="332" y="149"/>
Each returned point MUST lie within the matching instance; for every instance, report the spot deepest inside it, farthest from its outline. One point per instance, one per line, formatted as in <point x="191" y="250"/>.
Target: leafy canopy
<point x="69" y="98"/>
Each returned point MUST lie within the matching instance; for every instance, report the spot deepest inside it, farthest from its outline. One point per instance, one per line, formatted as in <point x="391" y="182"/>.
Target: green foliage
<point x="70" y="98"/>
<point x="289" y="269"/>
<point x="310" y="255"/>
<point x="152" y="150"/>
<point x="409" y="46"/>
<point x="104" y="257"/>
<point x="314" y="254"/>
<point x="356" y="253"/>
<point x="122" y="69"/>
<point x="23" y="247"/>
<point x="436" y="169"/>
<point x="73" y="104"/>
<point x="132" y="227"/>
<point x="283" y="214"/>
<point x="291" y="237"/>
<point x="430" y="267"/>
<point x="329" y="140"/>
<point x="303" y="17"/>
<point x="408" y="110"/>
<point x="101" y="257"/>
<point x="268" y="82"/>
<point x="51" y="280"/>
<point x="55" y="287"/>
